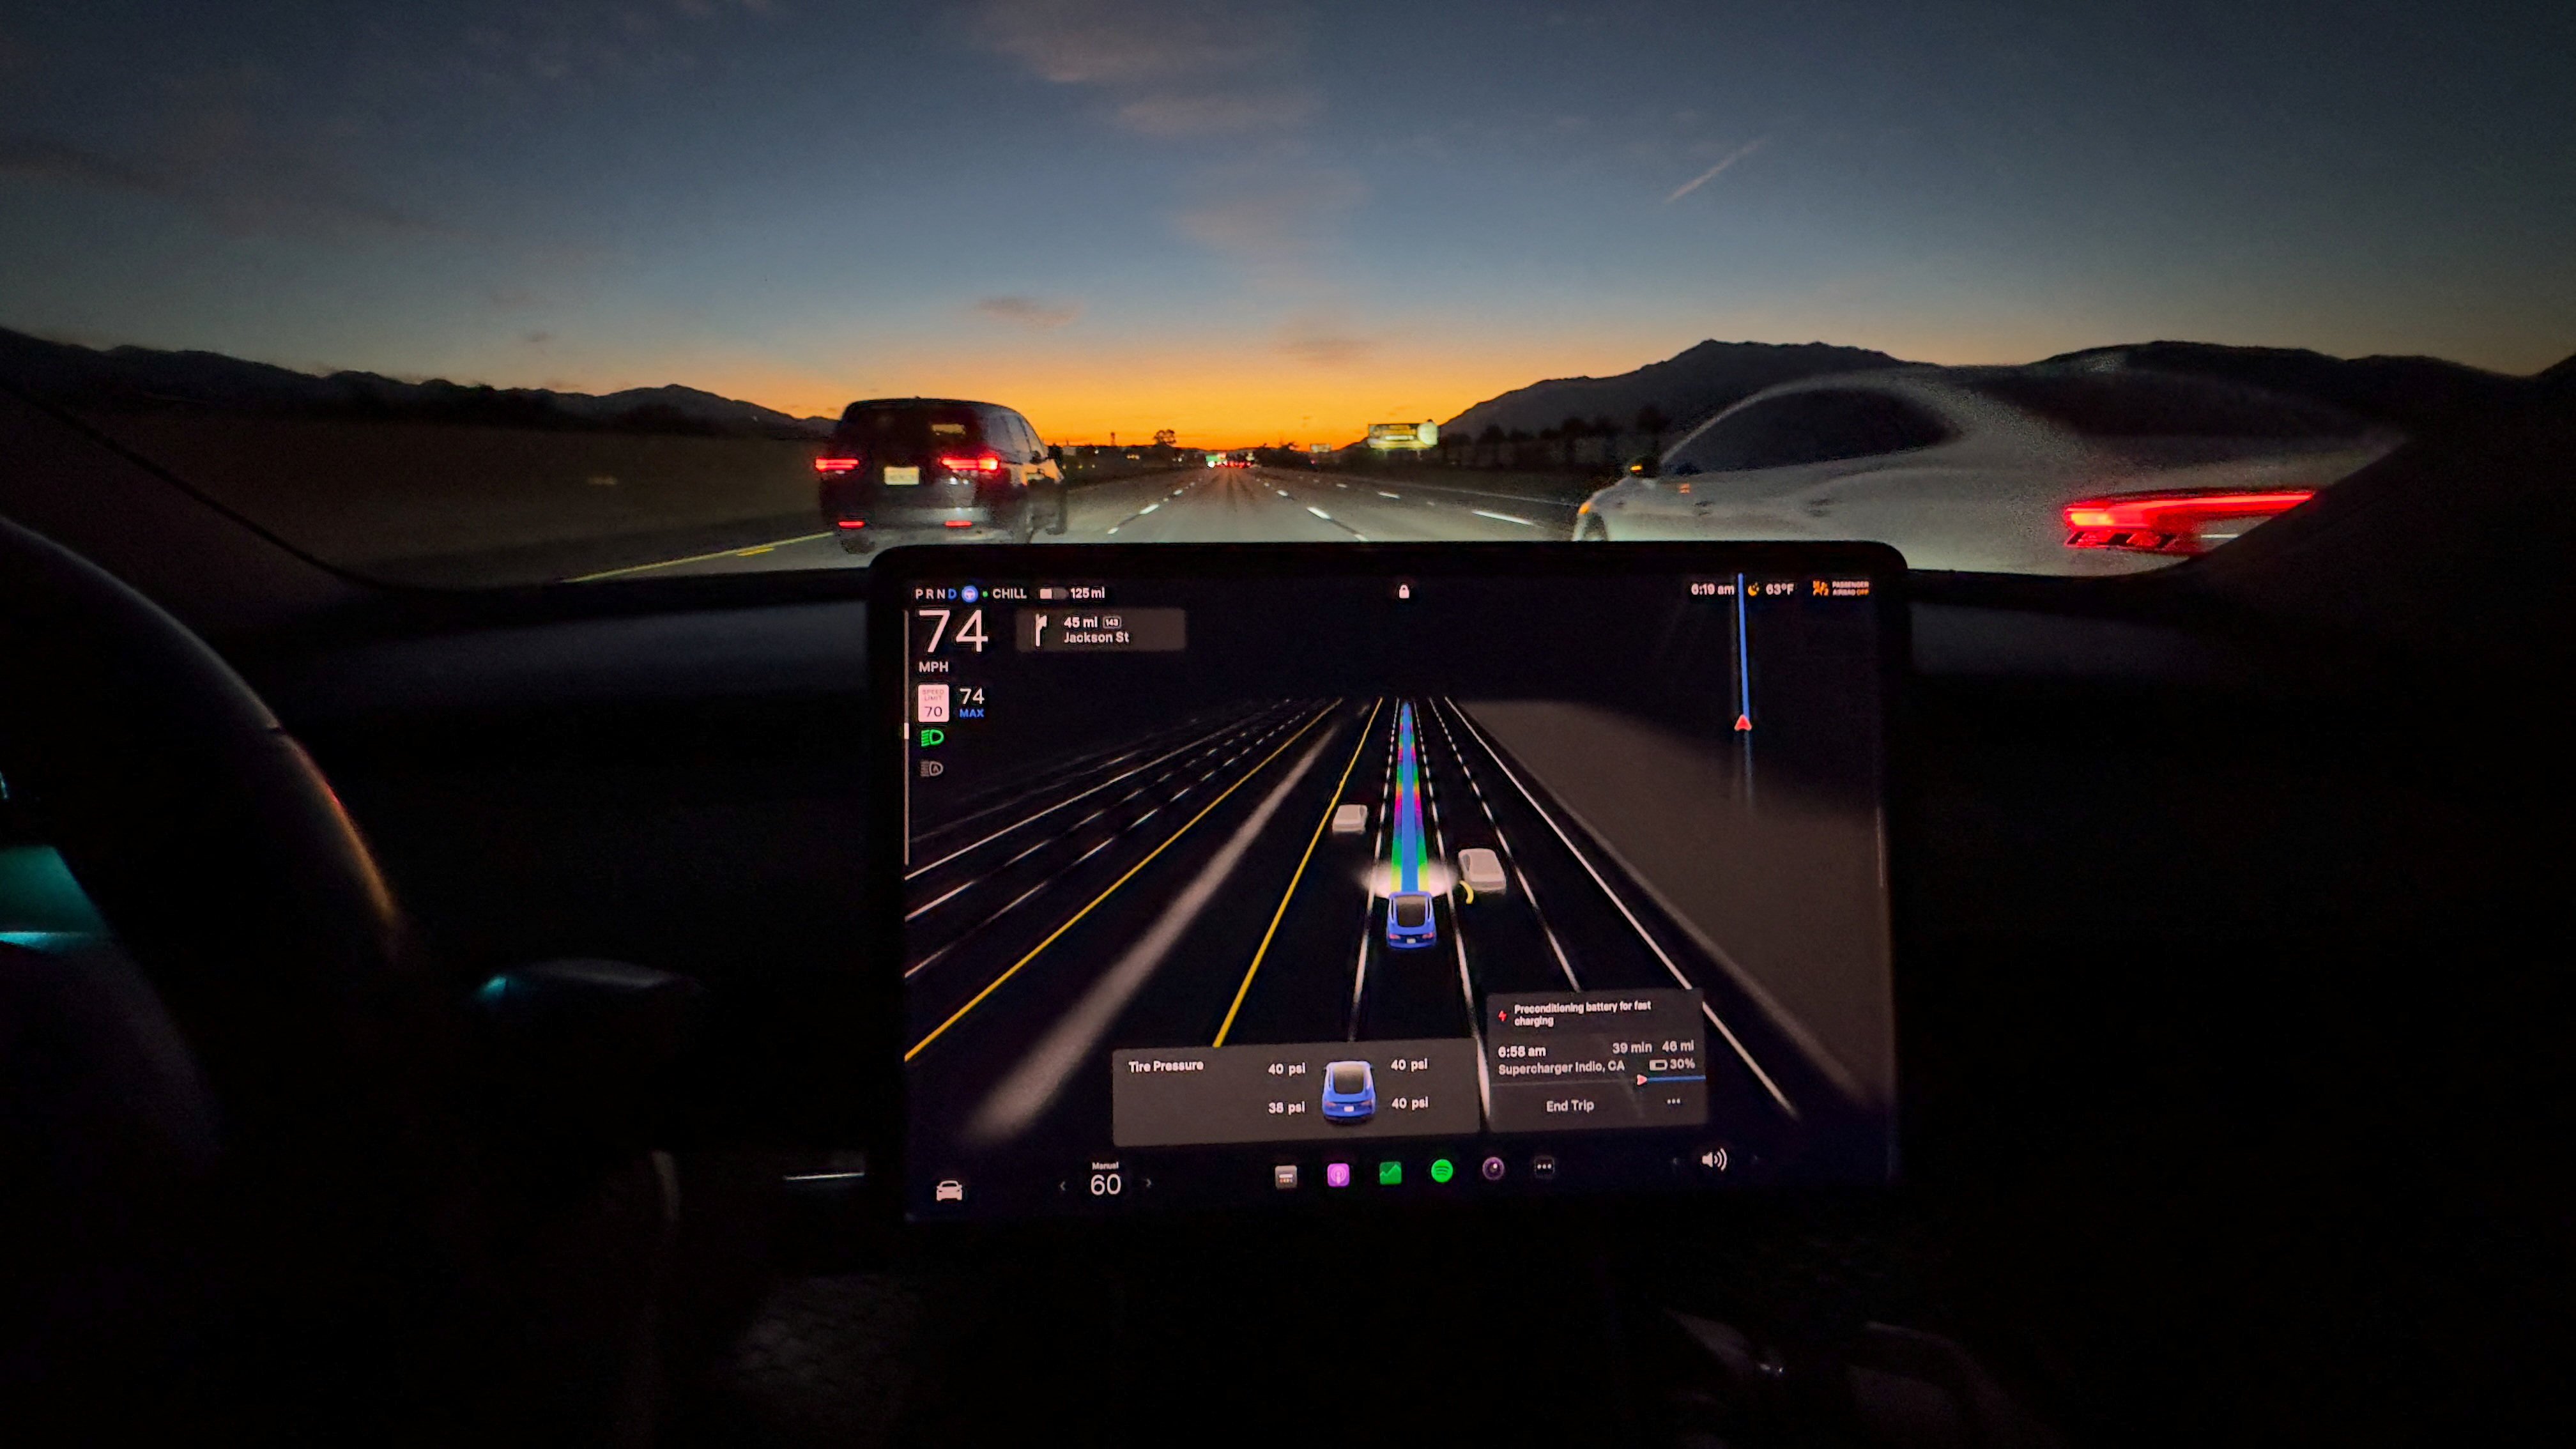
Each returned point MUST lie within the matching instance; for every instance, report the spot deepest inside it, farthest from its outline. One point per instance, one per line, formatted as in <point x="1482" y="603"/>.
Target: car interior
<point x="486" y="1030"/>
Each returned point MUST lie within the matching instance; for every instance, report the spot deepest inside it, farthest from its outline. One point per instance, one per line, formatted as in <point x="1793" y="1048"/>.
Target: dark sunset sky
<point x="1254" y="220"/>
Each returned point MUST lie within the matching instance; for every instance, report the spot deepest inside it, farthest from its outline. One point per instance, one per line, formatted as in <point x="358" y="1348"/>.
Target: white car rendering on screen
<point x="1993" y="469"/>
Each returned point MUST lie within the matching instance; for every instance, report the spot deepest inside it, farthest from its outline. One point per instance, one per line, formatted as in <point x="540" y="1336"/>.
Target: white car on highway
<point x="1481" y="871"/>
<point x="1984" y="468"/>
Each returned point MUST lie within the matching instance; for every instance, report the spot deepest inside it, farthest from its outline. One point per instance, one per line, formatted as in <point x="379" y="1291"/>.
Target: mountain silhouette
<point x="1685" y="388"/>
<point x="2412" y="393"/>
<point x="145" y="378"/>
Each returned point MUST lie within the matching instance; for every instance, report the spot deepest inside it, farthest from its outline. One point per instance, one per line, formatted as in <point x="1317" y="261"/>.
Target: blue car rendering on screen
<point x="1408" y="922"/>
<point x="1350" y="1092"/>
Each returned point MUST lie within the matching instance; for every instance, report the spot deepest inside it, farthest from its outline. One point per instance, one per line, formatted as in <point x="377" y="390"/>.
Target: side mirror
<point x="1055" y="453"/>
<point x="1645" y="465"/>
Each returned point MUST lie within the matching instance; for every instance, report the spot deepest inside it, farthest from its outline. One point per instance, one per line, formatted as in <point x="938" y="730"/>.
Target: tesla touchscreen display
<point x="1218" y="881"/>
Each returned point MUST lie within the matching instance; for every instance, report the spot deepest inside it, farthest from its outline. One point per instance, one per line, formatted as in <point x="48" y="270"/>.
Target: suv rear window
<point x="909" y="425"/>
<point x="2163" y="405"/>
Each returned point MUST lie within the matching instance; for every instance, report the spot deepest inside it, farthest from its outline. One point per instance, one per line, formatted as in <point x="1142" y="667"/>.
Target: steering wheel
<point x="231" y="875"/>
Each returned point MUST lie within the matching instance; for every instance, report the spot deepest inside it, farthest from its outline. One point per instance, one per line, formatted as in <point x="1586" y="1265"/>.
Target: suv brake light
<point x="836" y="465"/>
<point x="2172" y="522"/>
<point x="978" y="463"/>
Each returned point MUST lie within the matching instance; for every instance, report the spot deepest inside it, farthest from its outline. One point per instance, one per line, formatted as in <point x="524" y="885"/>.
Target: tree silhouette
<point x="1572" y="428"/>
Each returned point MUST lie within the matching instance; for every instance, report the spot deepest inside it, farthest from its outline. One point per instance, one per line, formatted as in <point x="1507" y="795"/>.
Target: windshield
<point x="487" y="294"/>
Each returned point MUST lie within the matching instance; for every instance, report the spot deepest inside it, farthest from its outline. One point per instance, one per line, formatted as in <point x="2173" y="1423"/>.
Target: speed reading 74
<point x="969" y="631"/>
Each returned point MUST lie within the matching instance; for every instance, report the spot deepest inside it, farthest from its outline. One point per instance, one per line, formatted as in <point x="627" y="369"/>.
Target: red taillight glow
<point x="836" y="465"/>
<point x="980" y="463"/>
<point x="853" y="523"/>
<point x="2170" y="522"/>
<point x="961" y="523"/>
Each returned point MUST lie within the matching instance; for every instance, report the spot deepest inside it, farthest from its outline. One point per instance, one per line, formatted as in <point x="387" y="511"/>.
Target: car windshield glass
<point x="1348" y="1080"/>
<point x="584" y="294"/>
<point x="1412" y="911"/>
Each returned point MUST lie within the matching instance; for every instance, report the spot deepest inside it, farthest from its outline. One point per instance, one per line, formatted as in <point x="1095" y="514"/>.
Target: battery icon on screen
<point x="1050" y="592"/>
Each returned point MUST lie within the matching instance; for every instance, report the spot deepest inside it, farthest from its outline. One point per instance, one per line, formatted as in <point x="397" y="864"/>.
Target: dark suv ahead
<point x="915" y="466"/>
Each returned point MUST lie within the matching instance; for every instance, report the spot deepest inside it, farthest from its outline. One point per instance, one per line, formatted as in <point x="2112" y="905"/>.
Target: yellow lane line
<point x="1077" y="916"/>
<point x="670" y="563"/>
<point x="1330" y="804"/>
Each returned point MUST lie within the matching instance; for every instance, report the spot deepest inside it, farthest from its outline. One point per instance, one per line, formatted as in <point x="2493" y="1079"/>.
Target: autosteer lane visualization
<point x="1310" y="878"/>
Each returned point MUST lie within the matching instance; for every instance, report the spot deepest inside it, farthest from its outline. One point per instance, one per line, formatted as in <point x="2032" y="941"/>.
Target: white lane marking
<point x="1319" y="513"/>
<point x="1457" y="929"/>
<point x="1529" y="893"/>
<point x="1148" y="508"/>
<point x="1368" y="894"/>
<point x="1398" y="497"/>
<point x="1622" y="906"/>
<point x="1503" y="518"/>
<point x="1218" y="733"/>
<point x="1022" y="898"/>
<point x="1076" y="1036"/>
<point x="926" y="905"/>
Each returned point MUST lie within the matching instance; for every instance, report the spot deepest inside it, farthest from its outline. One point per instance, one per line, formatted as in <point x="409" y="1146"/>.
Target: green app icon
<point x="1441" y="1170"/>
<point x="1390" y="1174"/>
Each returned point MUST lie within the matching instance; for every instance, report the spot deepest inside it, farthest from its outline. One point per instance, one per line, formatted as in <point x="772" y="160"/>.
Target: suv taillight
<point x="971" y="463"/>
<point x="836" y="465"/>
<point x="2172" y="522"/>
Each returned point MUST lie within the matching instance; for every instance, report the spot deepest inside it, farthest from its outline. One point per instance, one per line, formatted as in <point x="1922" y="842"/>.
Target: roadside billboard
<point x="1406" y="437"/>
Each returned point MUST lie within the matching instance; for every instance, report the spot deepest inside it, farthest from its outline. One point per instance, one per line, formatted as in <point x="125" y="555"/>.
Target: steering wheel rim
<point x="202" y="830"/>
<point x="230" y="874"/>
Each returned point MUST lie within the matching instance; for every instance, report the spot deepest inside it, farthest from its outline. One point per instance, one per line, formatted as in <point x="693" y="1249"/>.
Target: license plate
<point x="896" y="477"/>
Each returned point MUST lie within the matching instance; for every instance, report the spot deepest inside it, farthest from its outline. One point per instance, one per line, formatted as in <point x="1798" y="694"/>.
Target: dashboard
<point x="1306" y="879"/>
<point x="2215" y="893"/>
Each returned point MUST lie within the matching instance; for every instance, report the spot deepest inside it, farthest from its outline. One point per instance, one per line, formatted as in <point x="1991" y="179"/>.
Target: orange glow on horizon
<point x="1234" y="395"/>
<point x="1223" y="400"/>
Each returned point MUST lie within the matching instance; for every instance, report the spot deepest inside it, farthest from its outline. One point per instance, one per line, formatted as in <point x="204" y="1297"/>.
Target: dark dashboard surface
<point x="2198" y="953"/>
<point x="2227" y="908"/>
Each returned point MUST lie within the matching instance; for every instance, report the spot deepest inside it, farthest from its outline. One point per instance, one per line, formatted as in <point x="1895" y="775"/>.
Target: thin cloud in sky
<point x="1320" y="342"/>
<point x="238" y="182"/>
<point x="1209" y="115"/>
<point x="1120" y="42"/>
<point x="1028" y="311"/>
<point x="1705" y="177"/>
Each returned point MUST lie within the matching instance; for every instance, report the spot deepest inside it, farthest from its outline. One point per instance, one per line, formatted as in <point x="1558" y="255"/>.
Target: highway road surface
<point x="1206" y="505"/>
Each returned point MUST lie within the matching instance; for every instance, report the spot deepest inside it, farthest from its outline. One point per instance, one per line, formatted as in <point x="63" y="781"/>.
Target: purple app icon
<point x="1337" y="1174"/>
